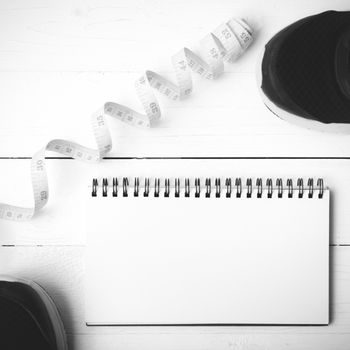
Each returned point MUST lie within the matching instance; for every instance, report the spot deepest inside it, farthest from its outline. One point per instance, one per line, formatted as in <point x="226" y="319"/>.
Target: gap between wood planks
<point x="170" y="158"/>
<point x="83" y="246"/>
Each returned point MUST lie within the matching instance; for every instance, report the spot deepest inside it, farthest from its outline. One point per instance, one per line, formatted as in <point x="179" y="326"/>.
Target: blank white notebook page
<point x="207" y="260"/>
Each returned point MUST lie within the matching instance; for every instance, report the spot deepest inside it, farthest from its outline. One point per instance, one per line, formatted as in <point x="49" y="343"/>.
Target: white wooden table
<point x="61" y="60"/>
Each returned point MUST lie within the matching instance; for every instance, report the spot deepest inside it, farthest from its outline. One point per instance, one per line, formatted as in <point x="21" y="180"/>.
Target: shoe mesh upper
<point x="299" y="68"/>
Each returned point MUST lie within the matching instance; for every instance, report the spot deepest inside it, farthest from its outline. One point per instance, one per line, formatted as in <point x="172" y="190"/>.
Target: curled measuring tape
<point x="225" y="44"/>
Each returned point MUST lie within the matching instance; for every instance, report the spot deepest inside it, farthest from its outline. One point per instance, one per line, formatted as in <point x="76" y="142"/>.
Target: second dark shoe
<point x="29" y="318"/>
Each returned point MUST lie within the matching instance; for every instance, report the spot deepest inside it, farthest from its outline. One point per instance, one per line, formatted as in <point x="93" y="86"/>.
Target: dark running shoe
<point x="28" y="317"/>
<point x="304" y="74"/>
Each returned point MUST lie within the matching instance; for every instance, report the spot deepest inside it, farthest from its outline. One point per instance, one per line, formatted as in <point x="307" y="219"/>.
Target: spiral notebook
<point x="207" y="251"/>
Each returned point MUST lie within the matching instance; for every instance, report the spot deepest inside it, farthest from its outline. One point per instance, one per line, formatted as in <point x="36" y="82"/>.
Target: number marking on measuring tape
<point x="225" y="44"/>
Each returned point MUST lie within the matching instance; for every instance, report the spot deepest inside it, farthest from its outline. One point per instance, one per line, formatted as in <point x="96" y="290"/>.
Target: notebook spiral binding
<point x="229" y="188"/>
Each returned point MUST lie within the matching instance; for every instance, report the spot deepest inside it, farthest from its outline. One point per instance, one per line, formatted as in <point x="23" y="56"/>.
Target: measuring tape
<point x="225" y="44"/>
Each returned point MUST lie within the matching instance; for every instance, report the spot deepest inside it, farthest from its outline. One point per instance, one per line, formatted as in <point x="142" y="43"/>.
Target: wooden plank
<point x="60" y="270"/>
<point x="61" y="61"/>
<point x="203" y="341"/>
<point x="63" y="220"/>
<point x="222" y="118"/>
<point x="128" y="35"/>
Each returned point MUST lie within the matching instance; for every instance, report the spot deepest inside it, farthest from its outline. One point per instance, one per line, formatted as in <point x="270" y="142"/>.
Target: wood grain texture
<point x="62" y="220"/>
<point x="60" y="270"/>
<point x="61" y="60"/>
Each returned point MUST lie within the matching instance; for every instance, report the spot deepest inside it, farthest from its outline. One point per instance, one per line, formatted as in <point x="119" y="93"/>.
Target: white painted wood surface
<point x="61" y="221"/>
<point x="59" y="265"/>
<point x="61" y="60"/>
<point x="60" y="270"/>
